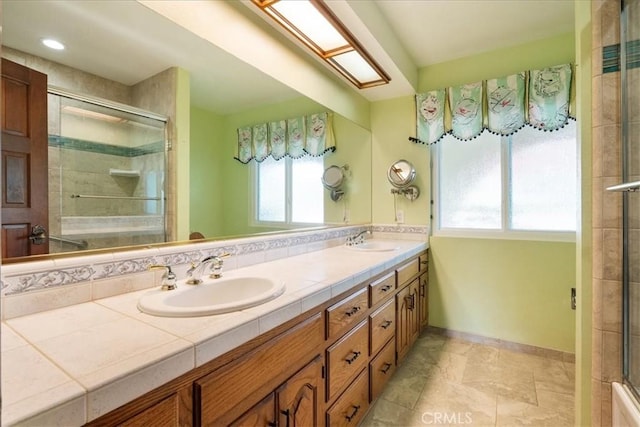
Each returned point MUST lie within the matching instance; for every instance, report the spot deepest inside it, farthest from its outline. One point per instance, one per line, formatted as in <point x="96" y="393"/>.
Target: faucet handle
<point x="168" y="278"/>
<point x="217" y="265"/>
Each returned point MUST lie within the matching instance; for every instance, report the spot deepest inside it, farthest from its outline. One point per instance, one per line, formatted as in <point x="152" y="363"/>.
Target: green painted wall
<point x="392" y="123"/>
<point x="207" y="181"/>
<point x="508" y="289"/>
<point x="480" y="286"/>
<point x="513" y="290"/>
<point x="220" y="190"/>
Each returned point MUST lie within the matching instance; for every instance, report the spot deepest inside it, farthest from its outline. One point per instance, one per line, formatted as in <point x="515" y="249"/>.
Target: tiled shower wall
<point x="157" y="94"/>
<point x="607" y="208"/>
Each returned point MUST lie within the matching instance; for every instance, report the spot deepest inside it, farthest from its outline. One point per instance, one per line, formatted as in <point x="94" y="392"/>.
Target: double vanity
<point x="307" y="339"/>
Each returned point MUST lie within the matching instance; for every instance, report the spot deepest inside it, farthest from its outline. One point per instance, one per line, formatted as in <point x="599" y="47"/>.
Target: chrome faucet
<point x="357" y="239"/>
<point x="168" y="278"/>
<point x="195" y="272"/>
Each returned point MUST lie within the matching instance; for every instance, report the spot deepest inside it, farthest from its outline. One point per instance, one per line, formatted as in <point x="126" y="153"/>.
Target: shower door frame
<point x="627" y="188"/>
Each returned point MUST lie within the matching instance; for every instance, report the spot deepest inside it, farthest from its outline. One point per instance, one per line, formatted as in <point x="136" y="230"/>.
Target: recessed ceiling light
<point x="53" y="44"/>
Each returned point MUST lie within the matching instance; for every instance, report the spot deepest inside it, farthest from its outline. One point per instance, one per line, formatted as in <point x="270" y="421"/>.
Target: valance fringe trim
<point x="419" y="141"/>
<point x="306" y="154"/>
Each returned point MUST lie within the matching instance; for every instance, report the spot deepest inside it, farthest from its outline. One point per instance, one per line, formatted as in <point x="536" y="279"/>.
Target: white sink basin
<point x="214" y="296"/>
<point x="374" y="247"/>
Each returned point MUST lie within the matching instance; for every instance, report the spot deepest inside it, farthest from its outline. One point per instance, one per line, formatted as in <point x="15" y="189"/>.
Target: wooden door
<point x="24" y="166"/>
<point x="300" y="397"/>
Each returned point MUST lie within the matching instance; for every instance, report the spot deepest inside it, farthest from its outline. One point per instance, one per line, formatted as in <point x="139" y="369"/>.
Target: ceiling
<point x="127" y="42"/>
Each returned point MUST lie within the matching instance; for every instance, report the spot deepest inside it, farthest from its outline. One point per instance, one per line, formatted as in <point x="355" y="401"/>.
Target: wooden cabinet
<point x="383" y="326"/>
<point x="165" y="413"/>
<point x="423" y="291"/>
<point x="423" y="300"/>
<point x="299" y="399"/>
<point x="261" y="415"/>
<point x="226" y="393"/>
<point x="347" y="313"/>
<point x="382" y="368"/>
<point x="407" y="325"/>
<point x="322" y="368"/>
<point x="407" y="271"/>
<point x="349" y="409"/>
<point x="382" y="288"/>
<point x="297" y="402"/>
<point x="346" y="358"/>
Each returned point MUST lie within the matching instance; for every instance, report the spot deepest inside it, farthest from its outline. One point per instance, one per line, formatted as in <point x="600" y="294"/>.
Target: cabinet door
<point x="414" y="318"/>
<point x="402" y="323"/>
<point x="261" y="415"/>
<point x="165" y="413"/>
<point x="299" y="398"/>
<point x="407" y="322"/>
<point x="423" y="300"/>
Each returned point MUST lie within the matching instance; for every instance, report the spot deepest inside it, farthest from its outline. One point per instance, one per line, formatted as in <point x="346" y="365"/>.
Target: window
<point x="289" y="191"/>
<point x="526" y="182"/>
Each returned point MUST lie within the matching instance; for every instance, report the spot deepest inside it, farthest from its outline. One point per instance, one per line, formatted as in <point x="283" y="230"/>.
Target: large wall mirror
<point x="125" y="53"/>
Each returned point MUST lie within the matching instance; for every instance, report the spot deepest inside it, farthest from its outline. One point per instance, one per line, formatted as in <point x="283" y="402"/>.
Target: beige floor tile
<point x="448" y="381"/>
<point x="514" y="413"/>
<point x="388" y="414"/>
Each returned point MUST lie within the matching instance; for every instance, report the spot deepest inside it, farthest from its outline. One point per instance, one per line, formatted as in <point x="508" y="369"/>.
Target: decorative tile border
<point x="611" y="56"/>
<point x="42" y="285"/>
<point x="102" y="148"/>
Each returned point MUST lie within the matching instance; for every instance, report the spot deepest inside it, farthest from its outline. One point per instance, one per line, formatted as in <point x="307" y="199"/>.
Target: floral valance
<point x="538" y="98"/>
<point x="295" y="137"/>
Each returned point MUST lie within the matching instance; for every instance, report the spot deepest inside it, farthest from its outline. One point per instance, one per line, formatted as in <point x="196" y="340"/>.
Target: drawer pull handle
<point x="285" y="412"/>
<point x="386" y="368"/>
<point x="385" y="288"/>
<point x="353" y="414"/>
<point x="411" y="301"/>
<point x="352" y="311"/>
<point x="386" y="324"/>
<point x="353" y="358"/>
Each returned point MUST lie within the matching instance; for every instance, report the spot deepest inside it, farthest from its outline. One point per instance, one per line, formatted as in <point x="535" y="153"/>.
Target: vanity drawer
<point x="347" y="312"/>
<point x="352" y="405"/>
<point x="382" y="368"/>
<point x="383" y="326"/>
<point x="407" y="271"/>
<point x="424" y="262"/>
<point x="347" y="357"/>
<point x="382" y="288"/>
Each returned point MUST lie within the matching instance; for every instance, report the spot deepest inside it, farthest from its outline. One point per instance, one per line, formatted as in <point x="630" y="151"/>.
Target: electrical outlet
<point x="400" y="217"/>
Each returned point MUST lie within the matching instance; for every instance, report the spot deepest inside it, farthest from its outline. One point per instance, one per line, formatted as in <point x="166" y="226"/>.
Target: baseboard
<point x="508" y="345"/>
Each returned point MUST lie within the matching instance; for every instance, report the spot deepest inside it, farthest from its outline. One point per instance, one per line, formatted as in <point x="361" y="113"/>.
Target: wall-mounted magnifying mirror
<point x="401" y="175"/>
<point x="332" y="179"/>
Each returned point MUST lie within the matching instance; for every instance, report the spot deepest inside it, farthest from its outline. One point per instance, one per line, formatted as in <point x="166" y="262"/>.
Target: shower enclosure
<point x="106" y="174"/>
<point x="630" y="84"/>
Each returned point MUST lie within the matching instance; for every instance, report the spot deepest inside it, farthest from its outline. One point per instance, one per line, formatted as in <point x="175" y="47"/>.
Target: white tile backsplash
<point x="52" y="275"/>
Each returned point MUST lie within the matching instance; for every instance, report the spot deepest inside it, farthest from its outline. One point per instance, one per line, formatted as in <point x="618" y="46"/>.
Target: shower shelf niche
<point x="125" y="173"/>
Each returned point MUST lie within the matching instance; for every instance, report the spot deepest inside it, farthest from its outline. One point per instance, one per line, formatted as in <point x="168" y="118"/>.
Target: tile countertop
<point x="71" y="365"/>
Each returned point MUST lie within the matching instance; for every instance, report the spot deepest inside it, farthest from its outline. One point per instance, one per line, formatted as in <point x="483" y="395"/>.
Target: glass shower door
<point x="630" y="84"/>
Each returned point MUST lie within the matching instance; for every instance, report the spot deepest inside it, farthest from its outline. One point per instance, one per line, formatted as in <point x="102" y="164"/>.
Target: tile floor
<point x="449" y="381"/>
